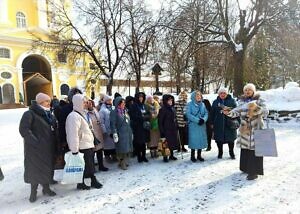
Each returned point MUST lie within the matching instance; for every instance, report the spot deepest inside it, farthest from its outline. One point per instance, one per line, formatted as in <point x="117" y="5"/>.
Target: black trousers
<point x="89" y="168"/>
<point x="251" y="164"/>
<point x="140" y="149"/>
<point x="183" y="134"/>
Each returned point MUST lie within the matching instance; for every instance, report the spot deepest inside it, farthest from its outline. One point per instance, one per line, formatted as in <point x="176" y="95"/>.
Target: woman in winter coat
<point x="180" y="109"/>
<point x="38" y="128"/>
<point x="154" y="107"/>
<point x="80" y="139"/>
<point x="167" y="125"/>
<point x="94" y="119"/>
<point x="252" y="110"/>
<point x="104" y="113"/>
<point x="140" y="116"/>
<point x="121" y="131"/>
<point x="197" y="116"/>
<point x="223" y="132"/>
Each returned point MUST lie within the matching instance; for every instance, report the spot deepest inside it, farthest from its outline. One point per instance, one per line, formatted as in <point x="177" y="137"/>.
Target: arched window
<point x="21" y="20"/>
<point x="0" y="95"/>
<point x="4" y="53"/>
<point x="8" y="92"/>
<point x="64" y="89"/>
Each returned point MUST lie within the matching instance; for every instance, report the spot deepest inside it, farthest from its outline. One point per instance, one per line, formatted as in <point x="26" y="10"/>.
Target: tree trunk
<point x="238" y="72"/>
<point x="109" y="86"/>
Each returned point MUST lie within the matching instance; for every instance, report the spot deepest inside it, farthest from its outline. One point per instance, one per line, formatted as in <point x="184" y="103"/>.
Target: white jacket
<point x="79" y="135"/>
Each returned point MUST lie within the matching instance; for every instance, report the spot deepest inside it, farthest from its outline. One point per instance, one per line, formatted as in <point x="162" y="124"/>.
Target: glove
<point x="74" y="153"/>
<point x="162" y="139"/>
<point x="201" y="122"/>
<point x="115" y="137"/>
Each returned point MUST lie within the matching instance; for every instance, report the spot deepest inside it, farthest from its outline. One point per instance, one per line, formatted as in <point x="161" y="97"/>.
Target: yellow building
<point x="25" y="71"/>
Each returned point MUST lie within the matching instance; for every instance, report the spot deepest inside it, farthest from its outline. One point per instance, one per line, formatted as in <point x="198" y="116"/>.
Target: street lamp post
<point x="156" y="70"/>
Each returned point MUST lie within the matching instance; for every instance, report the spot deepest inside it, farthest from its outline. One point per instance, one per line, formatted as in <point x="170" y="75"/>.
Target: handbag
<point x="146" y="125"/>
<point x="265" y="142"/>
<point x="233" y="123"/>
<point x="96" y="141"/>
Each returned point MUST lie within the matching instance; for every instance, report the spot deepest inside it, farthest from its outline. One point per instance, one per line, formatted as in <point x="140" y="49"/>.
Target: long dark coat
<point x="39" y="135"/>
<point x="120" y="124"/>
<point x="167" y="123"/>
<point x="140" y="135"/>
<point x="222" y="132"/>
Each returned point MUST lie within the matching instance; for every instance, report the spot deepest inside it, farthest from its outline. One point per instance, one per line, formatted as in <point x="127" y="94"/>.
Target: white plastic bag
<point x="58" y="175"/>
<point x="73" y="170"/>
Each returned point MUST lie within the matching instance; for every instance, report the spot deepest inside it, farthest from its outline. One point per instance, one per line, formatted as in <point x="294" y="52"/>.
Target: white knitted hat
<point x="250" y="86"/>
<point x="222" y="90"/>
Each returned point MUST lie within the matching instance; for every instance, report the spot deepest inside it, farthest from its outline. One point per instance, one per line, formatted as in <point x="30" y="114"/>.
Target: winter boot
<point x="100" y="161"/>
<point x="33" y="193"/>
<point x="139" y="157"/>
<point x="47" y="190"/>
<point x="1" y="175"/>
<point x="156" y="153"/>
<point x="95" y="183"/>
<point x="231" y="152"/>
<point x="183" y="149"/>
<point x="251" y="177"/>
<point x="122" y="164"/>
<point x="199" y="155"/>
<point x="193" y="159"/>
<point x="172" y="157"/>
<point x="220" y="150"/>
<point x="166" y="159"/>
<point x="152" y="153"/>
<point x="83" y="186"/>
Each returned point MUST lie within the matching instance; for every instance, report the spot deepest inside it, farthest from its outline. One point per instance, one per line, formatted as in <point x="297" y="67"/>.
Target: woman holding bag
<point x="252" y="110"/>
<point x="223" y="132"/>
<point x="80" y="139"/>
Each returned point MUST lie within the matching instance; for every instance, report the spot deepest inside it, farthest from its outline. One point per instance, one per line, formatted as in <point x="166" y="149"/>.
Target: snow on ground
<point x="287" y="98"/>
<point x="215" y="186"/>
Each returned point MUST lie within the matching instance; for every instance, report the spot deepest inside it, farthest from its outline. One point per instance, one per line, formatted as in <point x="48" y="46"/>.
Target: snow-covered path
<point x="215" y="186"/>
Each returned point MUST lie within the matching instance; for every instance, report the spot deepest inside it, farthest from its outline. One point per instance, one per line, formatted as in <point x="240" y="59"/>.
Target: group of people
<point x="120" y="128"/>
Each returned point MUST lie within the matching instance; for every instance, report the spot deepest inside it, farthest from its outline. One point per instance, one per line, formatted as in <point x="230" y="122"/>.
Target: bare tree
<point x="97" y="31"/>
<point x="141" y="34"/>
<point x="234" y="26"/>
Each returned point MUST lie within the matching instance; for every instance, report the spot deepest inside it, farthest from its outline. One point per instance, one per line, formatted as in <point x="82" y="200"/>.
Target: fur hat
<point x="41" y="97"/>
<point x="250" y="86"/>
<point x="222" y="90"/>
<point x="183" y="95"/>
<point x="106" y="98"/>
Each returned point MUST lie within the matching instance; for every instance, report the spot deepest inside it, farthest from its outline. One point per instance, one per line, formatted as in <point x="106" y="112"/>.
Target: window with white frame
<point x="4" y="53"/>
<point x="21" y="20"/>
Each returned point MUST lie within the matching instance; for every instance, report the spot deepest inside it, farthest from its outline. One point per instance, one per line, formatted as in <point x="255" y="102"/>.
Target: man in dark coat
<point x="223" y="133"/>
<point x="139" y="116"/>
<point x="38" y="127"/>
<point x="167" y="124"/>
